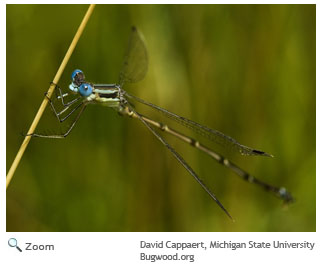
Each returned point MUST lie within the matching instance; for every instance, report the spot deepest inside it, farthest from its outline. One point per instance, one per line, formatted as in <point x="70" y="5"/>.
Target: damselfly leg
<point x="60" y="97"/>
<point x="69" y="108"/>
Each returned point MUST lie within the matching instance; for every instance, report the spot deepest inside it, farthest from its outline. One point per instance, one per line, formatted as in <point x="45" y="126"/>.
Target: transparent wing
<point x="135" y="63"/>
<point x="204" y="131"/>
<point x="180" y="159"/>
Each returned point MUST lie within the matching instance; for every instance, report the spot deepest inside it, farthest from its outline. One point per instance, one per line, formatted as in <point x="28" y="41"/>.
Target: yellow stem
<point x="49" y="94"/>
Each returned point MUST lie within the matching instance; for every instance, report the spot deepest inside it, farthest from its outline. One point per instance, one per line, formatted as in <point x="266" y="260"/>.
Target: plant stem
<point x="49" y="94"/>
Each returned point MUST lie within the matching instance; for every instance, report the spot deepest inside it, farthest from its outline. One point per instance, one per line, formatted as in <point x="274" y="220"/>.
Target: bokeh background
<point x="246" y="70"/>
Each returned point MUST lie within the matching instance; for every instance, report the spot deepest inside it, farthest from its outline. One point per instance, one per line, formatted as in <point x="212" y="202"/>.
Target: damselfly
<point x="114" y="96"/>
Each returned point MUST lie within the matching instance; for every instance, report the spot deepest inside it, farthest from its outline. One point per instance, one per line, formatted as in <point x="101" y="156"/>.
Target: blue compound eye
<point x="76" y="72"/>
<point x="85" y="89"/>
<point x="77" y="77"/>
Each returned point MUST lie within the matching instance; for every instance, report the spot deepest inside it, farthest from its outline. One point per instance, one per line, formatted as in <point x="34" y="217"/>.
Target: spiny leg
<point x="58" y="114"/>
<point x="60" y="136"/>
<point x="65" y="105"/>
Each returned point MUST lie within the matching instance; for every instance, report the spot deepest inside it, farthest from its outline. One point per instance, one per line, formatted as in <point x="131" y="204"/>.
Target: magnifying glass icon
<point x="12" y="242"/>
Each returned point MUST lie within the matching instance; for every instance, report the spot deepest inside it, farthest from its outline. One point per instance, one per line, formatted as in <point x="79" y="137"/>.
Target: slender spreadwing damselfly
<point x="114" y="96"/>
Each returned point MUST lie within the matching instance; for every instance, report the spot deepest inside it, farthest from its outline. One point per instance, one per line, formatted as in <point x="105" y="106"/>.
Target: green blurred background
<point x="246" y="70"/>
